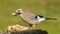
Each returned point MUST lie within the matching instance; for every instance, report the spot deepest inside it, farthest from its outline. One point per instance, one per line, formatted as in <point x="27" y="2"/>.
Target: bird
<point x="31" y="18"/>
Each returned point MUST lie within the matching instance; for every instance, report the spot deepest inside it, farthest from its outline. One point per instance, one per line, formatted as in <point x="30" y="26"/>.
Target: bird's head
<point x="18" y="11"/>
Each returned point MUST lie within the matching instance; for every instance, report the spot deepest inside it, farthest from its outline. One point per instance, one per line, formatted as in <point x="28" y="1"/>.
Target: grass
<point x="47" y="8"/>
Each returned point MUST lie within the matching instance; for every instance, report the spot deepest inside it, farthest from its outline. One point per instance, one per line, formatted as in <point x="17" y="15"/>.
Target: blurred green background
<point x="47" y="8"/>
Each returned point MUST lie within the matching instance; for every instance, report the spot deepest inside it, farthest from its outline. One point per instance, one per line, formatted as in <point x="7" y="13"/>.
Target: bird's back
<point x="29" y="17"/>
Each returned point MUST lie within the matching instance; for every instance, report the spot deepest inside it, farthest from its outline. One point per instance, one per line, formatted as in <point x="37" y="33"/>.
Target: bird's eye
<point x="18" y="11"/>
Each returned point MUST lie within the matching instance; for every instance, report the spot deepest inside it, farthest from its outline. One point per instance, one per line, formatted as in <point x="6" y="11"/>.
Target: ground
<point x="47" y="8"/>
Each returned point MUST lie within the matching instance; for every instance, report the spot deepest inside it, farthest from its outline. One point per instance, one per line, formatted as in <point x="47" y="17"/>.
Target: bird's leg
<point x="32" y="27"/>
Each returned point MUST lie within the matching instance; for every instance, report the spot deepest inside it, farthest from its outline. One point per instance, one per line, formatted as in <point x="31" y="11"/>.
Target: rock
<point x="30" y="32"/>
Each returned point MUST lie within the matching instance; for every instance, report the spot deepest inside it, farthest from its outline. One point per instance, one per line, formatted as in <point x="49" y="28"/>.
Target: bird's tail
<point x="51" y="19"/>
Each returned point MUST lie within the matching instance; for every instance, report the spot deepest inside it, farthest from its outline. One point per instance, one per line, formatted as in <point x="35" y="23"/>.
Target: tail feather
<point x="51" y="19"/>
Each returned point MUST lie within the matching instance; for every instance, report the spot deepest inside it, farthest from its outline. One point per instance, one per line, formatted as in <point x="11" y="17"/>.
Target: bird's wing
<point x="29" y="17"/>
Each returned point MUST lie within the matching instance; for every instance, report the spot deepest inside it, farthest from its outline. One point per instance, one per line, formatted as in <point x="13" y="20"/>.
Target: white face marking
<point x="40" y="19"/>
